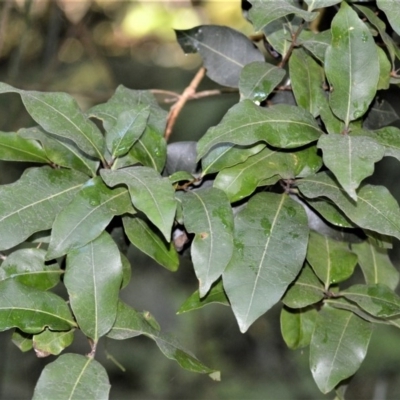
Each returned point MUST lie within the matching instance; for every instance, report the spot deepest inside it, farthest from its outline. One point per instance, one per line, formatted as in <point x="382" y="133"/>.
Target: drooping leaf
<point x="258" y="80"/>
<point x="22" y="340"/>
<point x="181" y="176"/>
<point x="143" y="235"/>
<point x="376" y="265"/>
<point x="49" y="342"/>
<point x="271" y="235"/>
<point x="150" y="193"/>
<point x="307" y="79"/>
<point x="392" y="10"/>
<point x="28" y="266"/>
<point x="224" y="51"/>
<point x="215" y="295"/>
<point x="244" y="124"/>
<point x="375" y="209"/>
<point x="86" y="216"/>
<point x="307" y="289"/>
<point x="351" y="65"/>
<point x="32" y="310"/>
<point x="208" y="214"/>
<point x="314" y="4"/>
<point x="316" y="43"/>
<point x="381" y="114"/>
<point x="31" y="204"/>
<point x="93" y="277"/>
<point x="338" y="346"/>
<point x="297" y="326"/>
<point x="73" y="377"/>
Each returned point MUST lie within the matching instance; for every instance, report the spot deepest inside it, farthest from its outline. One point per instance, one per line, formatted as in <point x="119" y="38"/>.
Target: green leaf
<point x="264" y="12"/>
<point x="375" y="264"/>
<point x="331" y="260"/>
<point x="307" y="79"/>
<point x="375" y="209"/>
<point x="385" y="69"/>
<point x="258" y="79"/>
<point x="28" y="266"/>
<point x="316" y="43"/>
<point x="22" y="340"/>
<point x="377" y="299"/>
<point x="381" y="114"/>
<point x="389" y="137"/>
<point x="126" y="270"/>
<point x="392" y="10"/>
<point x="351" y="65"/>
<point x="59" y="114"/>
<point x="338" y="346"/>
<point x="208" y="214"/>
<point x="224" y="51"/>
<point x="307" y="289"/>
<point x="314" y="4"/>
<point x="150" y="193"/>
<point x="21" y="215"/>
<point x="49" y="342"/>
<point x="143" y="235"/>
<point x="280" y="126"/>
<point x="93" y="278"/>
<point x="72" y="377"/>
<point x="215" y="295"/>
<point x="13" y="147"/>
<point x="297" y="326"/>
<point x="332" y="123"/>
<point x="86" y="216"/>
<point x="271" y="235"/>
<point x="180" y="176"/>
<point x="32" y="310"/>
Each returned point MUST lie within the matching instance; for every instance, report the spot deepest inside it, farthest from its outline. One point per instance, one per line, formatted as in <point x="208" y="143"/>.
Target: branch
<point x="292" y="46"/>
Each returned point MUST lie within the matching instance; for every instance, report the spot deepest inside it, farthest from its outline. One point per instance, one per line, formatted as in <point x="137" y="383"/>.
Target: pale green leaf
<point x="126" y="270"/>
<point x="314" y="4"/>
<point x="271" y="235"/>
<point x="93" y="277"/>
<point x="389" y="137"/>
<point x="392" y="10"/>
<point x="49" y="342"/>
<point x="385" y="69"/>
<point x="316" y="43"/>
<point x="22" y="340"/>
<point x="332" y="123"/>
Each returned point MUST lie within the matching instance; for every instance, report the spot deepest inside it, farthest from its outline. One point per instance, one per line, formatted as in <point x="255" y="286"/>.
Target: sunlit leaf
<point x="49" y="342"/>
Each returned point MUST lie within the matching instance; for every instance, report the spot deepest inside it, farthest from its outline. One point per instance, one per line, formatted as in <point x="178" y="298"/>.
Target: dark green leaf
<point x="150" y="193"/>
<point x="392" y="10"/>
<point x="381" y="114"/>
<point x="338" y="346"/>
<point x="73" y="377"/>
<point x="224" y="51"/>
<point x="332" y="123"/>
<point x="22" y="340"/>
<point x="280" y="126"/>
<point x="31" y="204"/>
<point x="316" y="43"/>
<point x="93" y="278"/>
<point x="32" y="310"/>
<point x="271" y="235"/>
<point x="49" y="342"/>
<point x="390" y="138"/>
<point x="181" y="176"/>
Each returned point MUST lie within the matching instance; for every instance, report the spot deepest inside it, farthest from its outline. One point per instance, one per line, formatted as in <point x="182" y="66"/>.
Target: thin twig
<point x="292" y="46"/>
<point x="176" y="108"/>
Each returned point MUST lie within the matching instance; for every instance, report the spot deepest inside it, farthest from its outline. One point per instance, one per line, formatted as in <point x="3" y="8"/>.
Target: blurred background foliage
<point x="87" y="48"/>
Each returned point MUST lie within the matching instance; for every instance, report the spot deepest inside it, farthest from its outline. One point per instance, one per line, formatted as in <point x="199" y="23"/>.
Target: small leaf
<point x="181" y="176"/>
<point x="86" y="216"/>
<point x="93" y="278"/>
<point x="297" y="326"/>
<point x="50" y="342"/>
<point x="143" y="235"/>
<point x="392" y="10"/>
<point x="314" y="4"/>
<point x="150" y="193"/>
<point x="338" y="346"/>
<point x="208" y="214"/>
<point x="27" y="266"/>
<point x="22" y="340"/>
<point x="73" y="377"/>
<point x="50" y="190"/>
<point x="376" y="265"/>
<point x="385" y="69"/>
<point x="258" y="79"/>
<point x="331" y="260"/>
<point x="271" y="236"/>
<point x="32" y="310"/>
<point x="224" y="51"/>
<point x="280" y="126"/>
<point x="377" y="300"/>
<point x="126" y="270"/>
<point x="351" y="65"/>
<point x="376" y="209"/>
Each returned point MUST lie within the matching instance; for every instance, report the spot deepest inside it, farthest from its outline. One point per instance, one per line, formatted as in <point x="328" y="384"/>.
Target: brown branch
<point x="292" y="46"/>
<point x="176" y="108"/>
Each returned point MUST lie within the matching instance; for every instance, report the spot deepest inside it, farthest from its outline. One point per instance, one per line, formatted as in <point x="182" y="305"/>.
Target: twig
<point x="292" y="46"/>
<point x="176" y="108"/>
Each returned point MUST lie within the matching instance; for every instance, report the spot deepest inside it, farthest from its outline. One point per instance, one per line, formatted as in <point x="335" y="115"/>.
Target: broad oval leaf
<point x="271" y="235"/>
<point x="208" y="214"/>
<point x="338" y="346"/>
<point x="72" y="377"/>
<point x="93" y="277"/>
<point x="86" y="216"/>
<point x="351" y="65"/>
<point x="224" y="51"/>
<point x="32" y="310"/>
<point x="375" y="209"/>
<point x="21" y="215"/>
<point x="49" y="342"/>
<point x="350" y="158"/>
<point x="392" y="10"/>
<point x="28" y="266"/>
<point x="150" y="193"/>
<point x="245" y="123"/>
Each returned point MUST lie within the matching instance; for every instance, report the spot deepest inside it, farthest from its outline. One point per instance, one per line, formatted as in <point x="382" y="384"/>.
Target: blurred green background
<point x="87" y="48"/>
